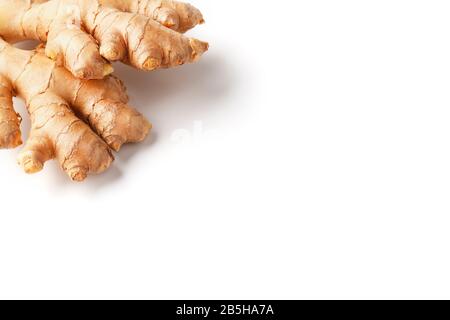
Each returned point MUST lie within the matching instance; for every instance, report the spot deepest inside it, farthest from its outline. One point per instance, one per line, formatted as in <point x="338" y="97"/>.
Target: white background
<point x="306" y="156"/>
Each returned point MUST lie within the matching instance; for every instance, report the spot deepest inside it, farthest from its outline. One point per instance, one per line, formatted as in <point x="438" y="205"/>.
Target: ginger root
<point x="78" y="110"/>
<point x="86" y="35"/>
<point x="73" y="120"/>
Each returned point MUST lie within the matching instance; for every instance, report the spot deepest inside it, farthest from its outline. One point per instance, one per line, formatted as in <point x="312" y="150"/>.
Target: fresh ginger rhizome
<point x="79" y="111"/>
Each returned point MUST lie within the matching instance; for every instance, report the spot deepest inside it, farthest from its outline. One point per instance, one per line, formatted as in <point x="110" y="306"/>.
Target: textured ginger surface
<point x="73" y="120"/>
<point x="78" y="110"/>
<point x="86" y="35"/>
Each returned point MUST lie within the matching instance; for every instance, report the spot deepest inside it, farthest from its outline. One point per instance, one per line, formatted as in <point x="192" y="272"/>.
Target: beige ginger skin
<point x="175" y="15"/>
<point x="73" y="120"/>
<point x="86" y="35"/>
<point x="78" y="111"/>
